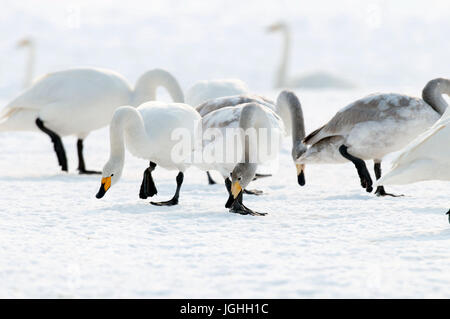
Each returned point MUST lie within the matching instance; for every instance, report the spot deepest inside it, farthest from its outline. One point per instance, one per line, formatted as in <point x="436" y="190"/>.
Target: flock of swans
<point x="78" y="101"/>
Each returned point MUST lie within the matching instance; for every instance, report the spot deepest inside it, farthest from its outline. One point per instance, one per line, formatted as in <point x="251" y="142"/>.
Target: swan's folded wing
<point x="432" y="143"/>
<point x="423" y="159"/>
<point x="372" y="108"/>
<point x="345" y="120"/>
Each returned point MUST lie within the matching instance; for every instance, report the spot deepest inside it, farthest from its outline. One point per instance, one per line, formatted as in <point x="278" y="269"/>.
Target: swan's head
<point x="26" y="42"/>
<point x="110" y="175"/>
<point x="297" y="151"/>
<point x="278" y="26"/>
<point x="242" y="175"/>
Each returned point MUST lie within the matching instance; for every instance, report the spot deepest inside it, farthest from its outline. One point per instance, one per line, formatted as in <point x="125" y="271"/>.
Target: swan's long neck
<point x="250" y="119"/>
<point x="126" y="119"/>
<point x="281" y="78"/>
<point x="149" y="82"/>
<point x="29" y="69"/>
<point x="297" y="120"/>
<point x="432" y="94"/>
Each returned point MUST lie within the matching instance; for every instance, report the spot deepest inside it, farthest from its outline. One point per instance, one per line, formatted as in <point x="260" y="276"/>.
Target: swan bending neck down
<point x="254" y="115"/>
<point x="78" y="101"/>
<point x="375" y="126"/>
<point x="148" y="83"/>
<point x="147" y="133"/>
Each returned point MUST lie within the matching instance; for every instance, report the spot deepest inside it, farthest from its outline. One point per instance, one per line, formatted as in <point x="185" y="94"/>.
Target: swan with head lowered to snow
<point x="203" y="91"/>
<point x="316" y="80"/>
<point x="146" y="132"/>
<point x="373" y="127"/>
<point x="243" y="120"/>
<point x="78" y="101"/>
<point x="282" y="108"/>
<point x="425" y="158"/>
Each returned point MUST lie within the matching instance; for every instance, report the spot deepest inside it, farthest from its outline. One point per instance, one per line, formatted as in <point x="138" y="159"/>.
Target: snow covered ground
<point x="328" y="239"/>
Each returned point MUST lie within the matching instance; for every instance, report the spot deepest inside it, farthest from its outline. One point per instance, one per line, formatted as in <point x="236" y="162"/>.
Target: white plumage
<point x="146" y="132"/>
<point x="78" y="101"/>
<point x="203" y="91"/>
<point x="425" y="158"/>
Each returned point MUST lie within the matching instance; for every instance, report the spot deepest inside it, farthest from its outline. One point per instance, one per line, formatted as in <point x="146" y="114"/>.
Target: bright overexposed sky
<point x="373" y="43"/>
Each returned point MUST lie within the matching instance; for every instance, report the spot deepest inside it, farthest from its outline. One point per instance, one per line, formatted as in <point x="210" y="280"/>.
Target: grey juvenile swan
<point x="374" y="126"/>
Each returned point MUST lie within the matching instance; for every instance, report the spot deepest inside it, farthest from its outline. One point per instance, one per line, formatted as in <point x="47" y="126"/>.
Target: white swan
<point x="28" y="44"/>
<point x="314" y="80"/>
<point x="203" y="91"/>
<point x="425" y="158"/>
<point x="78" y="101"/>
<point x="146" y="132"/>
<point x="372" y="127"/>
<point x="251" y="116"/>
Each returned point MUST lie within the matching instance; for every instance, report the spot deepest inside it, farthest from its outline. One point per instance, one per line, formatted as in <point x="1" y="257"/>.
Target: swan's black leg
<point x="211" y="181"/>
<point x="174" y="200"/>
<point x="364" y="175"/>
<point x="81" y="166"/>
<point x="57" y="144"/>
<point x="448" y="213"/>
<point x="148" y="187"/>
<point x="380" y="189"/>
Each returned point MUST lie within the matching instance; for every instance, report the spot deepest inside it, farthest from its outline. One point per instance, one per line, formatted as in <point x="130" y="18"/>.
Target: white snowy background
<point x="328" y="239"/>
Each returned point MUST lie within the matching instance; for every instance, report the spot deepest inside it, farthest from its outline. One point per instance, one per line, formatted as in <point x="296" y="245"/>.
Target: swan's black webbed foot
<point x="361" y="168"/>
<point x="255" y="192"/>
<point x="448" y="213"/>
<point x="211" y="181"/>
<point x="172" y="202"/>
<point x="380" y="192"/>
<point x="239" y="208"/>
<point x="148" y="187"/>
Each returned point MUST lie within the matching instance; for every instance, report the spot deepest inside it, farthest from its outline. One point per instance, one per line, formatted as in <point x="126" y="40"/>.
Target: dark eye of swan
<point x="239" y="178"/>
<point x="112" y="175"/>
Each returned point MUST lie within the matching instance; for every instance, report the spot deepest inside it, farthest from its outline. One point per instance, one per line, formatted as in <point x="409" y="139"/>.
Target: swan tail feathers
<point x="18" y="119"/>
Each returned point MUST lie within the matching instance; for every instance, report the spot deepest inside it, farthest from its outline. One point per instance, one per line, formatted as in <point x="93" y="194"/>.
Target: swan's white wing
<point x="71" y="101"/>
<point x="425" y="158"/>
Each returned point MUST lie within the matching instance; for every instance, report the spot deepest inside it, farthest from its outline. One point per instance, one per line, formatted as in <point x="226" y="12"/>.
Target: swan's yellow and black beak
<point x="106" y="184"/>
<point x="300" y="174"/>
<point x="236" y="189"/>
